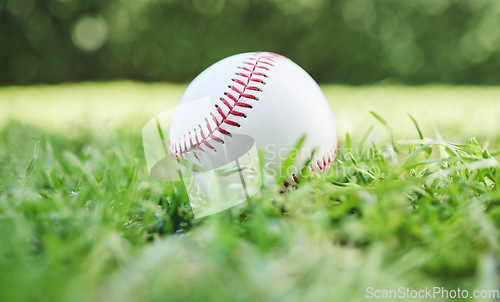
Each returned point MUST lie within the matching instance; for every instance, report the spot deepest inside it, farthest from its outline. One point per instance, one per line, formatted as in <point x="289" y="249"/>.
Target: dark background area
<point x="344" y="41"/>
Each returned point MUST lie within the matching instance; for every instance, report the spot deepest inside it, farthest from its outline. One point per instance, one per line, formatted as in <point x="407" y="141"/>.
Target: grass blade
<point x="386" y="125"/>
<point x="416" y="126"/>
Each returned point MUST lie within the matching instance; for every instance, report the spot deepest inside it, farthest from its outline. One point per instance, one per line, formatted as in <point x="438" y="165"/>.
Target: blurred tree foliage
<point x="336" y="41"/>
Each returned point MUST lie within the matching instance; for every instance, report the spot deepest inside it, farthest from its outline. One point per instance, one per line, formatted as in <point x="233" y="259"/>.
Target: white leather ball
<point x="259" y="95"/>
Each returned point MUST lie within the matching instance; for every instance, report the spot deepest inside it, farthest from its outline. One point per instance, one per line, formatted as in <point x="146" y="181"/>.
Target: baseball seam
<point x="323" y="165"/>
<point x="251" y="73"/>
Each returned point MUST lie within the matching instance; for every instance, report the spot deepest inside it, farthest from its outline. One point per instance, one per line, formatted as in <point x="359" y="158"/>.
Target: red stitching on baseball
<point x="326" y="161"/>
<point x="257" y="80"/>
<point x="191" y="141"/>
<point x="198" y="145"/>
<point x="319" y="165"/>
<point x="225" y="102"/>
<point x="237" y="113"/>
<point x="247" y="76"/>
<point x="220" y="111"/>
<point x="256" y="66"/>
<point x="253" y="72"/>
<point x="231" y="123"/>
<point x="263" y="62"/>
<point x="215" y="138"/>
<point x="254" y="88"/>
<point x="208" y="145"/>
<point x="239" y="82"/>
<point x="232" y="97"/>
<point x="241" y="104"/>
<point x="223" y="131"/>
<point x="236" y="89"/>
<point x="185" y="145"/>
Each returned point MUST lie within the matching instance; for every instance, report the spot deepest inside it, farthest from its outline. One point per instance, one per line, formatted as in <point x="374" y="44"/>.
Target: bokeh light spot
<point x="359" y="14"/>
<point x="488" y="32"/>
<point x="90" y="33"/>
<point x="38" y="25"/>
<point x="406" y="58"/>
<point x="20" y="8"/>
<point x="470" y="49"/>
<point x="303" y="9"/>
<point x="432" y="7"/>
<point x="388" y="27"/>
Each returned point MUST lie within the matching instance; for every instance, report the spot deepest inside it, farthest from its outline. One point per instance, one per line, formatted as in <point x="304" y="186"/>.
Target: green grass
<point x="81" y="220"/>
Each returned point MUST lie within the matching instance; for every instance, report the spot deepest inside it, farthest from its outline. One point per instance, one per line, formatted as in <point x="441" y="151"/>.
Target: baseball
<point x="240" y="106"/>
<point x="261" y="96"/>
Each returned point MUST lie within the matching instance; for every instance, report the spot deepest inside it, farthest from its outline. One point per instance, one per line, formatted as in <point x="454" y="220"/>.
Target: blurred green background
<point x="82" y="220"/>
<point x="336" y="41"/>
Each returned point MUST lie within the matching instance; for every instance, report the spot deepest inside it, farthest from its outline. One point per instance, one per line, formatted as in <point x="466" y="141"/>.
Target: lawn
<point x="412" y="203"/>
